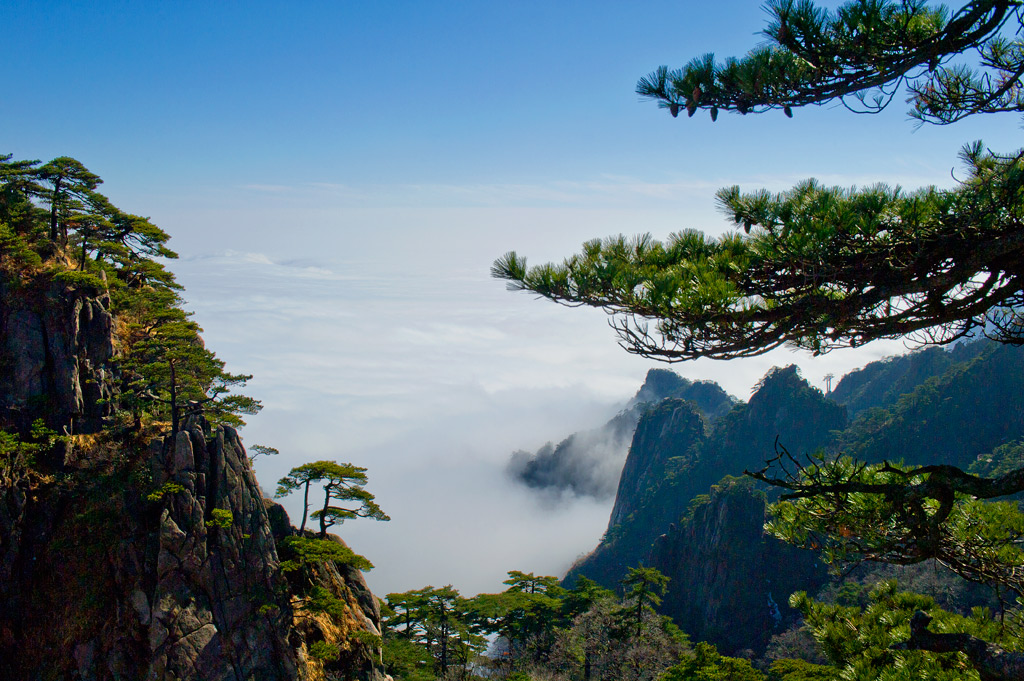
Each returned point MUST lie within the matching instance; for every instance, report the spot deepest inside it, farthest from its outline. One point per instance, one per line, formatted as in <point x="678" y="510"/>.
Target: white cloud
<point x="604" y="191"/>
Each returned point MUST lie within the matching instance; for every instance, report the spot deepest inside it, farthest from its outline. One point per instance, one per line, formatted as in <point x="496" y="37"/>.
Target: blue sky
<point x="338" y="178"/>
<point x="201" y="93"/>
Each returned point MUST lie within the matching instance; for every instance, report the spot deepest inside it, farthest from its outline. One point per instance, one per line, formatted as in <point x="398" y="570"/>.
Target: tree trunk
<point x="323" y="512"/>
<point x="444" y="645"/>
<point x="53" y="209"/>
<point x="305" y="506"/>
<point x="992" y="662"/>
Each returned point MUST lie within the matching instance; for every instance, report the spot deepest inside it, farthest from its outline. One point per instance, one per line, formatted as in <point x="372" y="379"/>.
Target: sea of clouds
<point x="430" y="379"/>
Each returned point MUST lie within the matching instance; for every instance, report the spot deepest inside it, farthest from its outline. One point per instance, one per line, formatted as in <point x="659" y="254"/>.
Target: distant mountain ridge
<point x="881" y="383"/>
<point x="954" y="418"/>
<point x="962" y="406"/>
<point x="589" y="463"/>
<point x="676" y="456"/>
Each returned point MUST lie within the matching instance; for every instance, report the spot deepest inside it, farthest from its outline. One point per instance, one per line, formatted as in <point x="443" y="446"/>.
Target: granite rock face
<point x="717" y="570"/>
<point x="102" y="583"/>
<point x="56" y="344"/>
<point x="730" y="583"/>
<point x="667" y="434"/>
<point x="218" y="607"/>
<point x="649" y="497"/>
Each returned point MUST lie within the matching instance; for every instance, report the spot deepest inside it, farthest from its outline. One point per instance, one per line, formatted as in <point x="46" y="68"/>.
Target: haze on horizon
<point x="338" y="178"/>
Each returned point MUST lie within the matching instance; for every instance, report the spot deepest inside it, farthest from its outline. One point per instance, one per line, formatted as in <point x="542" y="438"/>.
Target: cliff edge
<point x="127" y="553"/>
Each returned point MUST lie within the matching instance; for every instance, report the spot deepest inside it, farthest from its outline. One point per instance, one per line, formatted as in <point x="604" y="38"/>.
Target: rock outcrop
<point x="675" y="456"/>
<point x="589" y="463"/>
<point x="661" y="516"/>
<point x="786" y="409"/>
<point x="56" y="343"/>
<point x="730" y="584"/>
<point x="664" y="447"/>
<point x="709" y="397"/>
<point x="355" y="634"/>
<point x="666" y="440"/>
<point x="137" y="556"/>
<point x="101" y="583"/>
<point x="217" y="602"/>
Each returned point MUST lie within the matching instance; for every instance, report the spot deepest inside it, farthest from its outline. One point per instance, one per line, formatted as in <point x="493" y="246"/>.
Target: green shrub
<point x="367" y="638"/>
<point x="79" y="279"/>
<point x="221" y="517"/>
<point x="15" y="247"/>
<point x="301" y="551"/>
<point x="166" y="488"/>
<point x="19" y="455"/>
<point x="324" y="651"/>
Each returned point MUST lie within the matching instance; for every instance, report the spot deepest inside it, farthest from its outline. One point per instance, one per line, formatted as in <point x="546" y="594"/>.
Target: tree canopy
<point x="823" y="267"/>
<point x="543" y="631"/>
<point x="432" y="625"/>
<point x="900" y="515"/>
<point x="342" y="482"/>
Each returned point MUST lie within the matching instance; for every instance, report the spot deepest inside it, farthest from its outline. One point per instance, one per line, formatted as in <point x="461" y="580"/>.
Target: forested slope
<point x="730" y="582"/>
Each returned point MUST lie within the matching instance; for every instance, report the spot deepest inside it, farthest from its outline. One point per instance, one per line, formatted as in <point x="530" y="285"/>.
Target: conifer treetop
<point x="821" y="267"/>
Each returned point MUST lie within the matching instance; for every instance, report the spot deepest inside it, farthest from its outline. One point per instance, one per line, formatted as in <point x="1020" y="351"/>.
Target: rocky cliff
<point x="730" y="583"/>
<point x="715" y="553"/>
<point x="664" y="447"/>
<point x="784" y="408"/>
<point x="666" y="441"/>
<point x="709" y="397"/>
<point x="56" y="343"/>
<point x="675" y="456"/>
<point x="125" y="554"/>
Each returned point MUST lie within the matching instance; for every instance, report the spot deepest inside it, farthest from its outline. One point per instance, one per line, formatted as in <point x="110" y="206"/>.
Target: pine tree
<point x="71" y="185"/>
<point x="437" y="621"/>
<point x="342" y="482"/>
<point x="822" y="267"/>
<point x="644" y="588"/>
